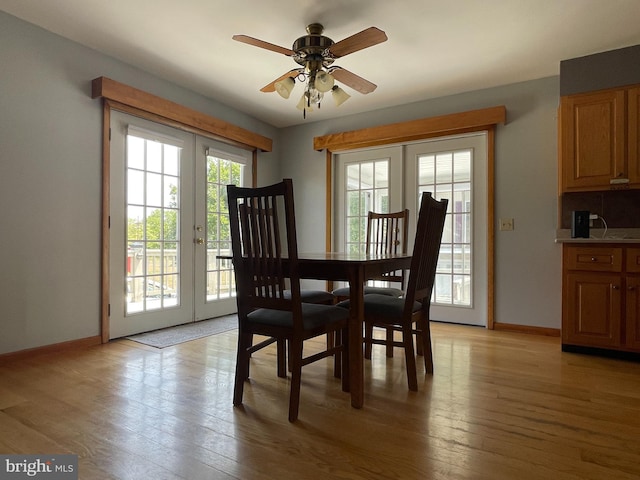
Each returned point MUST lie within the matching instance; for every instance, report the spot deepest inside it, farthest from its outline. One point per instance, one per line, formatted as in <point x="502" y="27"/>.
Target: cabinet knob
<point x="616" y="287"/>
<point x="631" y="287"/>
<point x="594" y="259"/>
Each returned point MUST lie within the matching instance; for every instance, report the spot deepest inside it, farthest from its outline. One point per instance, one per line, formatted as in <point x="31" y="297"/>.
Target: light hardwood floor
<point x="500" y="405"/>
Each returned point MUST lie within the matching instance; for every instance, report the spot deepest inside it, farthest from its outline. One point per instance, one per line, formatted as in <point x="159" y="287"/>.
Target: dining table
<point x="354" y="268"/>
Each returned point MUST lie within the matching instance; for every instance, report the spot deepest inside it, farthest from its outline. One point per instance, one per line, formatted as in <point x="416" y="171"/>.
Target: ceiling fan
<point x="315" y="54"/>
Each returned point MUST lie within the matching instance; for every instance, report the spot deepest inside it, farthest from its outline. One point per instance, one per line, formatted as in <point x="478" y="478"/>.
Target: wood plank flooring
<point x="500" y="405"/>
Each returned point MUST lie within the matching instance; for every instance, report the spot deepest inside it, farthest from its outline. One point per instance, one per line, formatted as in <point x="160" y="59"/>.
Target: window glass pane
<point x="135" y="223"/>
<point x="135" y="186"/>
<point x="366" y="175"/>
<point x="135" y="152"/>
<point x="170" y="224"/>
<point x="353" y="203"/>
<point x="153" y="225"/>
<point x="462" y="166"/>
<point x="353" y="177"/>
<point x="426" y="169"/>
<point x="381" y="202"/>
<point x="381" y="174"/>
<point x="170" y="197"/>
<point x="154" y="189"/>
<point x="444" y="168"/>
<point x="171" y="156"/>
<point x="154" y="156"/>
<point x="353" y="230"/>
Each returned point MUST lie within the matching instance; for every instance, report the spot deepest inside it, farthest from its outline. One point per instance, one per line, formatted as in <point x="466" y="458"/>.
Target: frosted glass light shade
<point x="302" y="104"/>
<point x="339" y="96"/>
<point x="284" y="86"/>
<point x="324" y="81"/>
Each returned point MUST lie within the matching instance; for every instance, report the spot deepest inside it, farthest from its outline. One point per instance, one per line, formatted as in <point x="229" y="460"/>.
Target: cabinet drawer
<point x="594" y="259"/>
<point x="633" y="260"/>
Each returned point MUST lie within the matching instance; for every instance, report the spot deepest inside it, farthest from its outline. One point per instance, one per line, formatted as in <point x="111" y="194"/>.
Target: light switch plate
<point x="506" y="224"/>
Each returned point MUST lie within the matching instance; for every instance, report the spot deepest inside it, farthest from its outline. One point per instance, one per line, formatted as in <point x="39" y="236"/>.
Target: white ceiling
<point x="435" y="47"/>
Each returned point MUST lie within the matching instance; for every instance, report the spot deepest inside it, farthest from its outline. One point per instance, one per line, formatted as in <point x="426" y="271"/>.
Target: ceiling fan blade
<point x="262" y="44"/>
<point x="272" y="86"/>
<point x="366" y="38"/>
<point x="352" y="80"/>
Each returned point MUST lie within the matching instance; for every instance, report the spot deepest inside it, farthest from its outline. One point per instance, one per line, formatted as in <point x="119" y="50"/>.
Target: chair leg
<point x="295" y="363"/>
<point x="281" y="345"/>
<point x="426" y="345"/>
<point x="368" y="336"/>
<point x="389" y="344"/>
<point x="410" y="358"/>
<point x="242" y="366"/>
<point x="337" y="339"/>
<point x="344" y="335"/>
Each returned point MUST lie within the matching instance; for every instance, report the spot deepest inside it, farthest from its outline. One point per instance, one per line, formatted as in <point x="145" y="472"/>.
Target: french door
<point x="390" y="179"/>
<point x="168" y="221"/>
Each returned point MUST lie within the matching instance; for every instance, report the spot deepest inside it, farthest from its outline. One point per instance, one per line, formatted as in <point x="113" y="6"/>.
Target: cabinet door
<point x="633" y="136"/>
<point x="592" y="309"/>
<point x="633" y="311"/>
<point x="592" y="140"/>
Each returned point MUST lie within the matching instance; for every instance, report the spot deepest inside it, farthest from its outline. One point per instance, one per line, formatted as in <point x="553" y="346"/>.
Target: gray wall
<point x="528" y="262"/>
<point x="50" y="180"/>
<point x="615" y="68"/>
<point x="50" y="163"/>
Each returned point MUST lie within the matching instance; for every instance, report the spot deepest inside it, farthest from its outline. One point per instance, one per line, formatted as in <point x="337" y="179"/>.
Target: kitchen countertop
<point x="600" y="235"/>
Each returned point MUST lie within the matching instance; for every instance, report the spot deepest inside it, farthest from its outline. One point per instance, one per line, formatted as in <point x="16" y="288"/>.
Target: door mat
<point x="167" y="337"/>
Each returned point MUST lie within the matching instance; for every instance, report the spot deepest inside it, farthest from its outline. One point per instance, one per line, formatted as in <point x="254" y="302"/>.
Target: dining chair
<point x="265" y="260"/>
<point x="386" y="233"/>
<point x="401" y="313"/>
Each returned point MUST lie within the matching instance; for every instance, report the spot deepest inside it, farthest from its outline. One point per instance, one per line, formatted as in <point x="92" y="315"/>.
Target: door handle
<point x="200" y="241"/>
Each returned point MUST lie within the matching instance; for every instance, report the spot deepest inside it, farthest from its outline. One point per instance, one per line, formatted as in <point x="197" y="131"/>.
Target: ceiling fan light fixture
<point x="302" y="103"/>
<point x="324" y="81"/>
<point x="339" y="95"/>
<point x="285" y="86"/>
<point x="315" y="54"/>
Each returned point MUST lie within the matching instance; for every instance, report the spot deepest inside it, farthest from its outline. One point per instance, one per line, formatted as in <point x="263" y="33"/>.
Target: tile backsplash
<point x="619" y="208"/>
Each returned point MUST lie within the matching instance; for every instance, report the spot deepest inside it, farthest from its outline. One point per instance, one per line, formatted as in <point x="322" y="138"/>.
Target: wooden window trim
<point x="483" y="120"/>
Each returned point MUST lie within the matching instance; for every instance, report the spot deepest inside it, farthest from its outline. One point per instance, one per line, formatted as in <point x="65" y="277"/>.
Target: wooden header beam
<point x="455" y="123"/>
<point x="110" y="89"/>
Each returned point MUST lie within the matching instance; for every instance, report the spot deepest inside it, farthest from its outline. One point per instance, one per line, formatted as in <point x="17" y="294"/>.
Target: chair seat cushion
<point x="314" y="315"/>
<point x="383" y="306"/>
<point x="313" y="296"/>
<point x="389" y="291"/>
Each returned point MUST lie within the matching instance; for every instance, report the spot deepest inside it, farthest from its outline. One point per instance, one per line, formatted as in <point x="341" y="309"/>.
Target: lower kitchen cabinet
<point x="601" y="300"/>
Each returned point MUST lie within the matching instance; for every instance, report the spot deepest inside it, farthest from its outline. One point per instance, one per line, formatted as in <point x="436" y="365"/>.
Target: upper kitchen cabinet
<point x="599" y="140"/>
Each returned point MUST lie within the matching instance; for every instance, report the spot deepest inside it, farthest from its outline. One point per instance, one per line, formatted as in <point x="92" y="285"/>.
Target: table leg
<point x="356" y="320"/>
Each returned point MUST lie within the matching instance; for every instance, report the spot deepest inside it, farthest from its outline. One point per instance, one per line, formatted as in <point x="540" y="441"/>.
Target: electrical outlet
<point x="592" y="217"/>
<point x="506" y="224"/>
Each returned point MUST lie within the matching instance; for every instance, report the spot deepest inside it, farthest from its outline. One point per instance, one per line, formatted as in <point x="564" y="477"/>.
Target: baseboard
<point x="53" y="348"/>
<point x="532" y="330"/>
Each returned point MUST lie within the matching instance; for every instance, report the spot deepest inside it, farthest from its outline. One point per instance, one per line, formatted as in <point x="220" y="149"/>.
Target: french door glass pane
<point x="152" y="235"/>
<point x="367" y="189"/>
<point x="219" y="277"/>
<point x="448" y="175"/>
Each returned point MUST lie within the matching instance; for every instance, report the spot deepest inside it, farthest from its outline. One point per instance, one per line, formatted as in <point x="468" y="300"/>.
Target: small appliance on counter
<point x="580" y="224"/>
